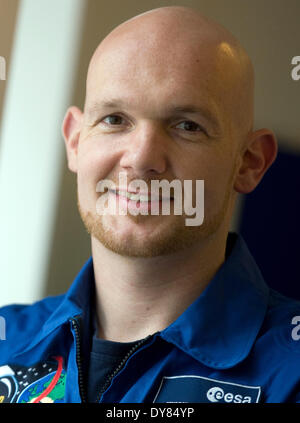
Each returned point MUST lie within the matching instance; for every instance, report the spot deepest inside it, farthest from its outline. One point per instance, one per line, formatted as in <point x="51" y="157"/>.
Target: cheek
<point x="216" y="170"/>
<point x="97" y="158"/>
<point x="94" y="165"/>
<point x="219" y="184"/>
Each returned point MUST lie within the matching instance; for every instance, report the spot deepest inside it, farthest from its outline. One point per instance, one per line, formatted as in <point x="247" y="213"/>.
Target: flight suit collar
<point x="220" y="327"/>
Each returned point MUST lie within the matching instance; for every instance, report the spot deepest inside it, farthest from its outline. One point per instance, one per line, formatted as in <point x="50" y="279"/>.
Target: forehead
<point x="156" y="72"/>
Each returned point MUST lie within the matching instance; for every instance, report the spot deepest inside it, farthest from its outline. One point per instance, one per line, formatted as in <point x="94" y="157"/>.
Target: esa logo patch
<point x="201" y="389"/>
<point x="42" y="382"/>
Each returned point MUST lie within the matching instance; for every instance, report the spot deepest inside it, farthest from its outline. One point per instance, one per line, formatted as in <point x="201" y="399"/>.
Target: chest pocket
<point x="190" y="388"/>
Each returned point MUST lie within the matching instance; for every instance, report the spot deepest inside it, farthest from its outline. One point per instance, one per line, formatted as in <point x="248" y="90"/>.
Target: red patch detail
<point x="54" y="381"/>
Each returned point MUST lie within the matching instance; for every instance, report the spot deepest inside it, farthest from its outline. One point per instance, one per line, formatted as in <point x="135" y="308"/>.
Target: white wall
<point x="39" y="88"/>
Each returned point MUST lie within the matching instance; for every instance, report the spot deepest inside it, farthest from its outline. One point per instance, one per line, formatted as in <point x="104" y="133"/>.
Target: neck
<point x="140" y="296"/>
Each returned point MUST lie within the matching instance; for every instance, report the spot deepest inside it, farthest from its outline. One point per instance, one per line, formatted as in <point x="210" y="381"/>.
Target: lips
<point x="139" y="196"/>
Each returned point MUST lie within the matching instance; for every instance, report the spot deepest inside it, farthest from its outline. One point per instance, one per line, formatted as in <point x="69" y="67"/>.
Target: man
<point x="162" y="311"/>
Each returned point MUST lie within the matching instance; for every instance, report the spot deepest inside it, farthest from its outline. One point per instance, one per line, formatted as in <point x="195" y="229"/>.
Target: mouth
<point x="141" y="197"/>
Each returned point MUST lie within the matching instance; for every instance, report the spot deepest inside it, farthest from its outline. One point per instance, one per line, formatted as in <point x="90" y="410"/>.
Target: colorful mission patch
<point x="41" y="383"/>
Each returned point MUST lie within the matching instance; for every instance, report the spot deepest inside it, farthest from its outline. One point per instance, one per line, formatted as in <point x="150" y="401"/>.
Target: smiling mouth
<point x="143" y="198"/>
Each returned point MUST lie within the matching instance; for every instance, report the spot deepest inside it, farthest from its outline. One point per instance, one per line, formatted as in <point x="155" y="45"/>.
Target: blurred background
<point x="47" y="45"/>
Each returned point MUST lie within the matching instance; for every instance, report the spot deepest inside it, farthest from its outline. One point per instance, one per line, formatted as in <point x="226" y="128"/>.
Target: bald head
<point x="180" y="42"/>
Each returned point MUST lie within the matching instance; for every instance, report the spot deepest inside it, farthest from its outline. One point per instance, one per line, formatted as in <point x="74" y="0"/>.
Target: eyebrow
<point x="175" y="109"/>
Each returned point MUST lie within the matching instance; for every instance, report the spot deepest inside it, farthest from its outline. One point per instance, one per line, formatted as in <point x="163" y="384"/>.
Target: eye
<point x="113" y="120"/>
<point x="190" y="126"/>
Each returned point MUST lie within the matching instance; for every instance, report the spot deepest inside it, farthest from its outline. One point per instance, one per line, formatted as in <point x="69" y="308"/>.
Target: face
<point x="156" y="115"/>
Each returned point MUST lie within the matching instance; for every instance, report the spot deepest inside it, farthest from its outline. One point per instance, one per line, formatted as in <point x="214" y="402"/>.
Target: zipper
<point x="76" y="327"/>
<point x="120" y="366"/>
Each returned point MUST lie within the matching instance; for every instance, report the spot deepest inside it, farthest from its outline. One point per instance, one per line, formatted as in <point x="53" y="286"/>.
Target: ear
<point x="71" y="128"/>
<point x="258" y="155"/>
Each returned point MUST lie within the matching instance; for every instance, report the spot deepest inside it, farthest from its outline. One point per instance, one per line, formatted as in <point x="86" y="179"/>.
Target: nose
<point x="146" y="151"/>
